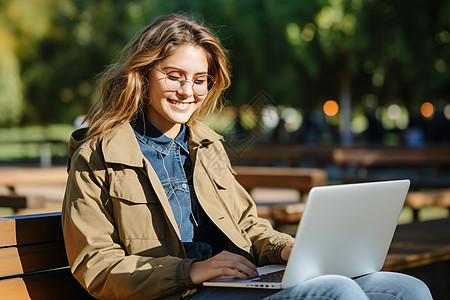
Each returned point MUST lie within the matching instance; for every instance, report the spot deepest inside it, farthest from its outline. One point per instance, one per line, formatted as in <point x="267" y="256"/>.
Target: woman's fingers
<point x="286" y="251"/>
<point x="230" y="264"/>
<point x="233" y="261"/>
<point x="224" y="263"/>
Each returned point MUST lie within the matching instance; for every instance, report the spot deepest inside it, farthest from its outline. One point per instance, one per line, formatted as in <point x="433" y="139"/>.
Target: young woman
<point x="152" y="208"/>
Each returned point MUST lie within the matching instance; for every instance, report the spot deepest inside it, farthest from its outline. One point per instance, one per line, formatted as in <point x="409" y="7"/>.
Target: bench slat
<point x="30" y="229"/>
<point x="17" y="201"/>
<point x="391" y="156"/>
<point x="55" y="285"/>
<point x="17" y="261"/>
<point x="14" y="289"/>
<point x="12" y="176"/>
<point x="417" y="200"/>
<point x="418" y="244"/>
<point x="33" y="262"/>
<point x="302" y="179"/>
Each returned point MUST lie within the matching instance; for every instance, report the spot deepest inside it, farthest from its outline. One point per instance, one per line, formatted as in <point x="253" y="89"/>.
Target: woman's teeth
<point x="178" y="103"/>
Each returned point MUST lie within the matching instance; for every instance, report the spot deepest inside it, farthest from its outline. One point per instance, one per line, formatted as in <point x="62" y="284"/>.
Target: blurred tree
<point x="22" y="25"/>
<point x="11" y="97"/>
<point x="396" y="51"/>
<point x="84" y="37"/>
<point x="298" y="53"/>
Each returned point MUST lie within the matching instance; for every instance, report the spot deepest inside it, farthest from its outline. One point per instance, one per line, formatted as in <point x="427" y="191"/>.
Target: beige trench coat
<point x="121" y="237"/>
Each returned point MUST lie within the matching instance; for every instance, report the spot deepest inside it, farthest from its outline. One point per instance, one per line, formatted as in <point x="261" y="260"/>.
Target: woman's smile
<point x="182" y="105"/>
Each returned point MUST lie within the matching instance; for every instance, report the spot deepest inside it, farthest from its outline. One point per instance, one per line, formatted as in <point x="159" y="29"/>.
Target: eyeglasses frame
<point x="187" y="80"/>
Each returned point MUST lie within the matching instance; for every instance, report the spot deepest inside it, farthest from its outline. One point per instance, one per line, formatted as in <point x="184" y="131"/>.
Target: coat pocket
<point x="137" y="210"/>
<point x="222" y="176"/>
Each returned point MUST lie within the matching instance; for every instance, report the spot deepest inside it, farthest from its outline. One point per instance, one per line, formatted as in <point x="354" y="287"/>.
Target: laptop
<point x="345" y="230"/>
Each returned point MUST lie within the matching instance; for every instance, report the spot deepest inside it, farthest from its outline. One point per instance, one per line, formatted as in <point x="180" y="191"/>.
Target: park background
<point x="310" y="78"/>
<point x="308" y="75"/>
<point x="385" y="63"/>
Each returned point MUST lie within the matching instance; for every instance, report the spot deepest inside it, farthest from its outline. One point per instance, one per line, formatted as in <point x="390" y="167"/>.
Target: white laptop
<point x="345" y="230"/>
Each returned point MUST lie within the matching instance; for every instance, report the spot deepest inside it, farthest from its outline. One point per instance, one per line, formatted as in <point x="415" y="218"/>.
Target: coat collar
<point x="202" y="136"/>
<point x="120" y="146"/>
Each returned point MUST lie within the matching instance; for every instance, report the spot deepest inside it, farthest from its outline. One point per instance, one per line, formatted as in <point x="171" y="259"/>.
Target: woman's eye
<point x="200" y="81"/>
<point x="174" y="76"/>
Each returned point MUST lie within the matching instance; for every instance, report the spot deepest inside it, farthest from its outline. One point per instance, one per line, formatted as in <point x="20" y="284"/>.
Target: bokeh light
<point x="293" y="120"/>
<point x="427" y="109"/>
<point x="248" y="116"/>
<point x="359" y="123"/>
<point x="394" y="116"/>
<point x="370" y="101"/>
<point x="270" y="117"/>
<point x="223" y="121"/>
<point x="447" y="111"/>
<point x="394" y="111"/>
<point x="330" y="108"/>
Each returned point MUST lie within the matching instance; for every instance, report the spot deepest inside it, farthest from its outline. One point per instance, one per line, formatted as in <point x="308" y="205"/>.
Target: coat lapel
<point x="209" y="165"/>
<point x="122" y="147"/>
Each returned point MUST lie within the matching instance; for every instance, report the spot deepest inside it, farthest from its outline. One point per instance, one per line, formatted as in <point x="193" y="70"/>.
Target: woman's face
<point x="168" y="109"/>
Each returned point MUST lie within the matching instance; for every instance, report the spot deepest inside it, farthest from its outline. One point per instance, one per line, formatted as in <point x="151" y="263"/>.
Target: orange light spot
<point x="427" y="109"/>
<point x="330" y="108"/>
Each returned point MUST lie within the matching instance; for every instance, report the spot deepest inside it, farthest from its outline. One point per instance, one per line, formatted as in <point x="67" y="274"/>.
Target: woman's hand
<point x="286" y="251"/>
<point x="224" y="263"/>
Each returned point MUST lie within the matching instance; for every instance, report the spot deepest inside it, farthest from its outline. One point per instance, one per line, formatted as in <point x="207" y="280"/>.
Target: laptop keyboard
<point x="276" y="276"/>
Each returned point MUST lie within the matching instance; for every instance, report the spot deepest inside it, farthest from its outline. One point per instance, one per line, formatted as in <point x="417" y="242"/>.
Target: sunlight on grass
<point x="20" y="143"/>
<point x="426" y="213"/>
<point x="6" y="212"/>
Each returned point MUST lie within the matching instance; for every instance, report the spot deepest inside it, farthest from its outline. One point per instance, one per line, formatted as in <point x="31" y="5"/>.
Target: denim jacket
<point x="171" y="162"/>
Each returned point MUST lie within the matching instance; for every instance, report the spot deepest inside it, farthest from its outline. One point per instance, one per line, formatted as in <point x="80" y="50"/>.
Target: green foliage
<point x="22" y="24"/>
<point x="298" y="52"/>
<point x="11" y="97"/>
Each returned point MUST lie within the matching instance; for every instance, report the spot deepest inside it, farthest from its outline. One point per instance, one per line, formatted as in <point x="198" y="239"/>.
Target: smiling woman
<point x="152" y="208"/>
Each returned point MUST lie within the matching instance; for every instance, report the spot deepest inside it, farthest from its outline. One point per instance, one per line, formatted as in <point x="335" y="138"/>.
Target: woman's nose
<point x="187" y="89"/>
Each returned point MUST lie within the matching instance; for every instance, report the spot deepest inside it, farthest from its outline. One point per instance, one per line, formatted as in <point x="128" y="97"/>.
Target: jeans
<point x="376" y="286"/>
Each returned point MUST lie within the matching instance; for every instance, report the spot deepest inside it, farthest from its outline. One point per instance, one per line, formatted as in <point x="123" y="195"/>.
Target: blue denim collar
<point x="148" y="134"/>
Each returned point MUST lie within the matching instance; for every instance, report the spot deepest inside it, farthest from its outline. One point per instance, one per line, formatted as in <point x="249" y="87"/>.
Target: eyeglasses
<point x="201" y="85"/>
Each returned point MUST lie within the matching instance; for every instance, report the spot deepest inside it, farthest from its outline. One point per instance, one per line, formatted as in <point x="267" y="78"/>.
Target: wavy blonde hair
<point x="124" y="85"/>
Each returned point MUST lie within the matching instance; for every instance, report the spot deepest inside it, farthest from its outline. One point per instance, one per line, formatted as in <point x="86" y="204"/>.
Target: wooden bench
<point x="287" y="154"/>
<point x="11" y="177"/>
<point x="433" y="160"/>
<point x="33" y="262"/>
<point x="422" y="249"/>
<point x="439" y="198"/>
<point x="17" y="202"/>
<point x="388" y="158"/>
<point x="300" y="179"/>
<point x="419" y="243"/>
<point x="362" y="158"/>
